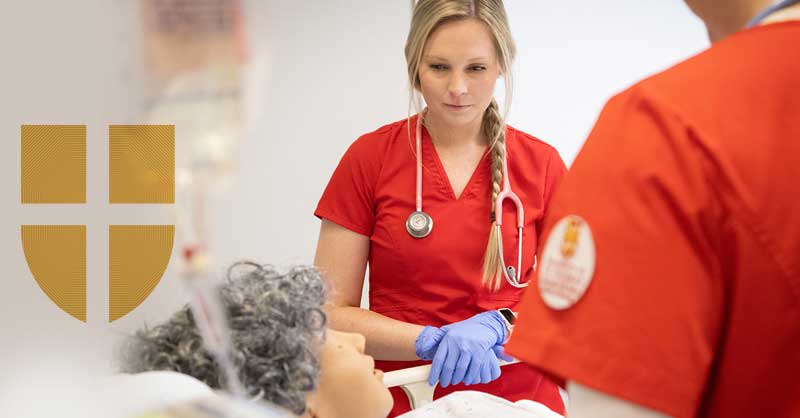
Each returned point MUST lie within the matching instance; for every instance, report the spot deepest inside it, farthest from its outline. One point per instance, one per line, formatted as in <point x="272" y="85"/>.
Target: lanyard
<point x="770" y="10"/>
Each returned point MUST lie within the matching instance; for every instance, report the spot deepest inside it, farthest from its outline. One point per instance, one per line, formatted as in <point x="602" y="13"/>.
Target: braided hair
<point x="427" y="16"/>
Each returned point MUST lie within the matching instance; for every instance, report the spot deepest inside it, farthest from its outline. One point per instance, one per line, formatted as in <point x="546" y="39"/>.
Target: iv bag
<point x="194" y="57"/>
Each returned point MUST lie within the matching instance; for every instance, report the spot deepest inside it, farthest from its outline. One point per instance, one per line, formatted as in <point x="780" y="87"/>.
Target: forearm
<point x="387" y="338"/>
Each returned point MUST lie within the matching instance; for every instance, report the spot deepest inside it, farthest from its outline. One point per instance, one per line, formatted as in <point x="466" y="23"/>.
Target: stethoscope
<point x="770" y="10"/>
<point x="419" y="224"/>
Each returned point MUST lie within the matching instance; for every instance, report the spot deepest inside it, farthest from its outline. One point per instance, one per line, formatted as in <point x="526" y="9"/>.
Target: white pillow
<point x="468" y="404"/>
<point x="137" y="393"/>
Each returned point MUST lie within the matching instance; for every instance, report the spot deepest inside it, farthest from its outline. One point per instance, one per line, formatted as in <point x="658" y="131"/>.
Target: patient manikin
<point x="281" y="347"/>
<point x="284" y="355"/>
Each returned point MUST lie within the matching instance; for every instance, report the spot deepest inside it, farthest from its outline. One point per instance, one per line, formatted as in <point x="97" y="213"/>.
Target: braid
<point x="491" y="127"/>
<point x="494" y="129"/>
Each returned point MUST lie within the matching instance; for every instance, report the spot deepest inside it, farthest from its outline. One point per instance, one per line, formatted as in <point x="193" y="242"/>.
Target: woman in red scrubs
<point x="434" y="292"/>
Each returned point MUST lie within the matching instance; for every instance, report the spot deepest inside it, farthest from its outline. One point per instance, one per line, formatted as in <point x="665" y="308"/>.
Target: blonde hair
<point x="429" y="15"/>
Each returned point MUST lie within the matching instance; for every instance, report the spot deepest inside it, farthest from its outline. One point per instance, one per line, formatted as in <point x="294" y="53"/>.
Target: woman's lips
<point x="378" y="374"/>
<point x="457" y="108"/>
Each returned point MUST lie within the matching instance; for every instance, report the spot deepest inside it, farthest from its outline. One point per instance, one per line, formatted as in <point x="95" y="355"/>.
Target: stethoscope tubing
<point x="505" y="193"/>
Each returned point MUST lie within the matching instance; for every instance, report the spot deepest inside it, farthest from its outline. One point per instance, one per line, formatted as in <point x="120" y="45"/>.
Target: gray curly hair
<point x="277" y="326"/>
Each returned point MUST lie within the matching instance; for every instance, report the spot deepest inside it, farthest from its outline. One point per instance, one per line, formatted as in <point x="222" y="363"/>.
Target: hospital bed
<point x="414" y="382"/>
<point x="461" y="404"/>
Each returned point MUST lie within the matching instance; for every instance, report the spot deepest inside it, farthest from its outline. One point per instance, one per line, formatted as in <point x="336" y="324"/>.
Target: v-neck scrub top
<point x="436" y="280"/>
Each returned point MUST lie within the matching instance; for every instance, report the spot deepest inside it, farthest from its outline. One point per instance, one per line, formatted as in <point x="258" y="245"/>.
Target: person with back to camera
<point x="680" y="293"/>
<point x="417" y="200"/>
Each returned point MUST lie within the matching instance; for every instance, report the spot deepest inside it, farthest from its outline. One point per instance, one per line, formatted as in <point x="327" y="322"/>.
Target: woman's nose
<point x="457" y="85"/>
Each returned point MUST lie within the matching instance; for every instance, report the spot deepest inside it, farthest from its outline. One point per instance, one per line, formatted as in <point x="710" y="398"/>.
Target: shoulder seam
<point x="388" y="133"/>
<point x="531" y="138"/>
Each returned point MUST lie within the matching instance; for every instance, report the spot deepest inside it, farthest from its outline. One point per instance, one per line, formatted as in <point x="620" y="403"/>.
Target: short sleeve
<point x="348" y="199"/>
<point x="647" y="326"/>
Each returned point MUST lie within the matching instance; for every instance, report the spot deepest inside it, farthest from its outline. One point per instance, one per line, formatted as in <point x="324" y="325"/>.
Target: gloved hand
<point x="500" y="352"/>
<point x="464" y="350"/>
<point x="427" y="341"/>
<point x="489" y="367"/>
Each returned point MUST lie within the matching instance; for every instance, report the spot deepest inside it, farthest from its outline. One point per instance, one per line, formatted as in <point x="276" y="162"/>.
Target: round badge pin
<point x="567" y="265"/>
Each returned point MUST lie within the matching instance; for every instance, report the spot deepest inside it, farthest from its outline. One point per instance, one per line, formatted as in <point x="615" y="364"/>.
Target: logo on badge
<point x="568" y="262"/>
<point x="570" y="240"/>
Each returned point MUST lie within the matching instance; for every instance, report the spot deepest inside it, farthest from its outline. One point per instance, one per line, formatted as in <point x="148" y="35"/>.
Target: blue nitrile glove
<point x="500" y="352"/>
<point x="489" y="368"/>
<point x="463" y="350"/>
<point x="427" y="341"/>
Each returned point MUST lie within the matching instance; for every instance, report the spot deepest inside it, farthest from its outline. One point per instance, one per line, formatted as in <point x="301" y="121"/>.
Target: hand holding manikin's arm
<point x="342" y="258"/>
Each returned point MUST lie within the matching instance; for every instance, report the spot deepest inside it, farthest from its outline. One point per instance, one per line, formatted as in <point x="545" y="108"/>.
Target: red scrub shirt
<point x="689" y="185"/>
<point x="437" y="280"/>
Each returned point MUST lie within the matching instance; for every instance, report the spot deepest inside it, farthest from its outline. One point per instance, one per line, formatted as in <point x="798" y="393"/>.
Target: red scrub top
<point x="437" y="280"/>
<point x="689" y="184"/>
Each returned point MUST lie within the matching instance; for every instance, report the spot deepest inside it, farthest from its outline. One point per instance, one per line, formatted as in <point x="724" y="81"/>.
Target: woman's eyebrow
<point x="438" y="58"/>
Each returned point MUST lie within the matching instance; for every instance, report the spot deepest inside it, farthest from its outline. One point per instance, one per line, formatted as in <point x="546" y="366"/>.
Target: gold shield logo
<point x="141" y="171"/>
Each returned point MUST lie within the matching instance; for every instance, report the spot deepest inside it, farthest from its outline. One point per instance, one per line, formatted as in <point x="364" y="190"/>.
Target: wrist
<point x="427" y="341"/>
<point x="498" y="325"/>
<point x="508" y="317"/>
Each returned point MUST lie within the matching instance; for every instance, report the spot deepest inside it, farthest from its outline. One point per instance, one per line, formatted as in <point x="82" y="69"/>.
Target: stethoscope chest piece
<point x="419" y="224"/>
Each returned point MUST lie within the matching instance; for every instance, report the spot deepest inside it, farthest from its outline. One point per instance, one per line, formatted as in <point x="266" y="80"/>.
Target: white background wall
<point x="321" y="73"/>
<point x="337" y="70"/>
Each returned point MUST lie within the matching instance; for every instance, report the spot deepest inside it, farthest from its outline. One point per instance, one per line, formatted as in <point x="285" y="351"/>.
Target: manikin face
<point x="350" y="386"/>
<point x="458" y="72"/>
